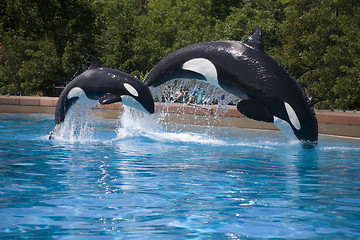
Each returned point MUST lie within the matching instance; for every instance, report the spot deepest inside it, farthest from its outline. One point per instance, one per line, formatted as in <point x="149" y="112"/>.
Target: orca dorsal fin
<point x="94" y="62"/>
<point x="255" y="39"/>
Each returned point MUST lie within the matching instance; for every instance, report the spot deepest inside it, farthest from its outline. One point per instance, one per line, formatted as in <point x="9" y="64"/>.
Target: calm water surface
<point x="136" y="179"/>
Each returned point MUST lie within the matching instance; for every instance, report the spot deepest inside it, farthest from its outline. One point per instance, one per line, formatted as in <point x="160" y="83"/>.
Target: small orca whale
<point x="106" y="85"/>
<point x="267" y="91"/>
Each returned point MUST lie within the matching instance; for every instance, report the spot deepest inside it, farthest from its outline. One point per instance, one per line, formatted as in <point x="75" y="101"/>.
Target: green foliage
<point x="115" y="21"/>
<point x="11" y="56"/>
<point x="241" y="22"/>
<point x="220" y="9"/>
<point x="32" y="67"/>
<point x="43" y="41"/>
<point x="321" y="48"/>
<point x="39" y="65"/>
<point x="168" y="26"/>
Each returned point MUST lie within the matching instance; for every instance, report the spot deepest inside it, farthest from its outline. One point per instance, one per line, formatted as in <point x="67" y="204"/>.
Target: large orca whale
<point x="106" y="85"/>
<point x="267" y="91"/>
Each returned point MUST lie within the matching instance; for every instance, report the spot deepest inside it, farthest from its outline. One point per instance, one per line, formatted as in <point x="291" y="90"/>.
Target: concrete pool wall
<point x="334" y="123"/>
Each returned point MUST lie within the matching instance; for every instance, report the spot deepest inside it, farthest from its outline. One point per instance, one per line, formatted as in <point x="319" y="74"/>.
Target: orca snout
<point x="140" y="103"/>
<point x="305" y="126"/>
<point x="298" y="123"/>
<point x="307" y="136"/>
<point x="308" y="144"/>
<point x="138" y="96"/>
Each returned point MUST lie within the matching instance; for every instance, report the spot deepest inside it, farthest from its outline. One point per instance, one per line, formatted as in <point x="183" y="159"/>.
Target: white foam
<point x="136" y="124"/>
<point x="135" y="127"/>
<point x="339" y="148"/>
<point x="77" y="124"/>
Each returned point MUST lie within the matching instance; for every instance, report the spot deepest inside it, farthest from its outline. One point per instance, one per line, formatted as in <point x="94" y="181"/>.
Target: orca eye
<point x="131" y="89"/>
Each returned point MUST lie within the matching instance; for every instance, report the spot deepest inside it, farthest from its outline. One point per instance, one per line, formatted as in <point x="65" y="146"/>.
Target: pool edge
<point x="337" y="123"/>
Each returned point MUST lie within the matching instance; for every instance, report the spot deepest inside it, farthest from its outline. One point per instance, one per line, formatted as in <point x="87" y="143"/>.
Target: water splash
<point x="77" y="126"/>
<point x="211" y="95"/>
<point x="133" y="123"/>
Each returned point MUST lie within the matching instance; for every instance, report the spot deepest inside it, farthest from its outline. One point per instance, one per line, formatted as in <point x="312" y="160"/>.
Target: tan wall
<point x="334" y="123"/>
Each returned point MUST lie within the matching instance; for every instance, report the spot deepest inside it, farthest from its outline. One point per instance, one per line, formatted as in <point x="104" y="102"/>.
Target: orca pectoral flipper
<point x="109" y="98"/>
<point x="255" y="110"/>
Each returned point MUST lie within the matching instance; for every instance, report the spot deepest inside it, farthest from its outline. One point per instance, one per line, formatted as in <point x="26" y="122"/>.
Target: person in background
<point x="177" y="96"/>
<point x="196" y="96"/>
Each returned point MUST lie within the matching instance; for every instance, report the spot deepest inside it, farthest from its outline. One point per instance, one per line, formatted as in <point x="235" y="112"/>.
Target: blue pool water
<point x="137" y="179"/>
